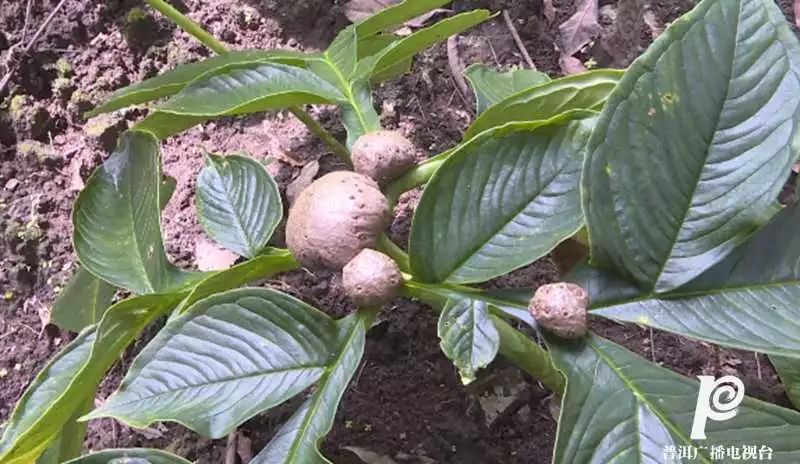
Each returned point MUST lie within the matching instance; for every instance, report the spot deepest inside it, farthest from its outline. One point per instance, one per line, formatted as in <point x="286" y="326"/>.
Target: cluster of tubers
<point x="334" y="224"/>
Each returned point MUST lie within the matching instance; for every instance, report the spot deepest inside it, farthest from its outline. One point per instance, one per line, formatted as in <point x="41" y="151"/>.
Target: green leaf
<point x="82" y="302"/>
<point x="360" y="117"/>
<point x="130" y="456"/>
<point x="260" y="87"/>
<point x="227" y="358"/>
<point x="85" y="297"/>
<point x="69" y="442"/>
<point x="587" y="91"/>
<point x="396" y="15"/>
<point x="47" y="404"/>
<point x="747" y="301"/>
<point x="117" y="220"/>
<point x="172" y="81"/>
<point x="337" y="65"/>
<point x="695" y="144"/>
<point x="500" y="202"/>
<point x="73" y="375"/>
<point x="247" y="89"/>
<point x="297" y="440"/>
<point x="377" y="67"/>
<point x="619" y="407"/>
<point x="164" y="125"/>
<point x="514" y="345"/>
<point x="270" y="262"/>
<point x="788" y="370"/>
<point x="238" y="203"/>
<point x="492" y="87"/>
<point x="468" y="336"/>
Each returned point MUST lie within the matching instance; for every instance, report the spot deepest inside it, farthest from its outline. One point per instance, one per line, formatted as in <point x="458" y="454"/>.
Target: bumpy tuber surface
<point x="383" y="155"/>
<point x="334" y="218"/>
<point x="560" y="308"/>
<point x="371" y="278"/>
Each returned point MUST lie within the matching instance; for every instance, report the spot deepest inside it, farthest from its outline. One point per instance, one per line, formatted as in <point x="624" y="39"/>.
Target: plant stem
<point x="188" y="25"/>
<point x="211" y="42"/>
<point x="514" y="345"/>
<point x="336" y="147"/>
<point x="386" y="245"/>
<point x="418" y="175"/>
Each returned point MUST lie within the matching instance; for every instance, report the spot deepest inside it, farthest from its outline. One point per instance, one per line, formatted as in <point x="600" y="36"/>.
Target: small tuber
<point x="371" y="278"/>
<point x="560" y="308"/>
<point x="383" y="155"/>
<point x="334" y="218"/>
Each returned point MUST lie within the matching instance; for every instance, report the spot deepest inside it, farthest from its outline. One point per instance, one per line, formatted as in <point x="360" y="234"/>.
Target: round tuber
<point x="371" y="278"/>
<point x="383" y="155"/>
<point x="334" y="218"/>
<point x="560" y="308"/>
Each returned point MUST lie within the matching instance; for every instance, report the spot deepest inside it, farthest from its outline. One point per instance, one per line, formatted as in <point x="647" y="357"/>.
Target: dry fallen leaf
<point x="653" y="23"/>
<point x="579" y="29"/>
<point x="210" y="257"/>
<point x="549" y="10"/>
<point x="33" y="304"/>
<point x="359" y="10"/>
<point x="369" y="457"/>
<point x="571" y="65"/>
<point x="302" y="181"/>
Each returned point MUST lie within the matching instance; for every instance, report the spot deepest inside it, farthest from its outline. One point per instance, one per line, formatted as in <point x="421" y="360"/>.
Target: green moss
<point x="62" y="88"/>
<point x="63" y="67"/>
<point x="135" y="15"/>
<point x="17" y="107"/>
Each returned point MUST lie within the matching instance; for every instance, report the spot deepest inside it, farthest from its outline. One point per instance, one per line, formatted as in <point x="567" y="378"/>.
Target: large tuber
<point x="371" y="278"/>
<point x="560" y="308"/>
<point x="383" y="155"/>
<point x="334" y="218"/>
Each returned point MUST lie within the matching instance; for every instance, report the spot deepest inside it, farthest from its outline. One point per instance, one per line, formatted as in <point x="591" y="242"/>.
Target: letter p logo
<point x="716" y="400"/>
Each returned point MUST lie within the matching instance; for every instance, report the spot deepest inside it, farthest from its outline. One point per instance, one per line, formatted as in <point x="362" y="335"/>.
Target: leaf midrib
<point x="695" y="294"/>
<point x="301" y="367"/>
<point x="475" y="249"/>
<point x="321" y="386"/>
<point x="642" y="398"/>
<point x="696" y="184"/>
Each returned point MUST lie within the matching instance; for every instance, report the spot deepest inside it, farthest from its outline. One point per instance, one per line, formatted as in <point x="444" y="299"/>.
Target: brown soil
<point x="406" y="401"/>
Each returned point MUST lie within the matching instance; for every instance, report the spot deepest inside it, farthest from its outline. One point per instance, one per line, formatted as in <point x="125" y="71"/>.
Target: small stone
<point x="560" y="308"/>
<point x="12" y="184"/>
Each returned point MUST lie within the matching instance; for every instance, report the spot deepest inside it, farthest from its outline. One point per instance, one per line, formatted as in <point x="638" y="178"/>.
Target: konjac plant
<point x="668" y="173"/>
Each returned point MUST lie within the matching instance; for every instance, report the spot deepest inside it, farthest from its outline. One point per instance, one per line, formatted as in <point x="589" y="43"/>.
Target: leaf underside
<point x="238" y="203"/>
<point x="468" y="336"/>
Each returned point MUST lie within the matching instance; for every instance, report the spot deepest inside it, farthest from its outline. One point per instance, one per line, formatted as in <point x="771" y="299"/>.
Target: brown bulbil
<point x="371" y="278"/>
<point x="560" y="308"/>
<point x="383" y="155"/>
<point x="334" y="218"/>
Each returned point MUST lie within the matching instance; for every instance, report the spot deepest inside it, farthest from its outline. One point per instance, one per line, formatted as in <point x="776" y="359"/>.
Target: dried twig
<point x="518" y="40"/>
<point x="457" y="68"/>
<point x="11" y="62"/>
<point x="758" y="366"/>
<point x="28" y="9"/>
